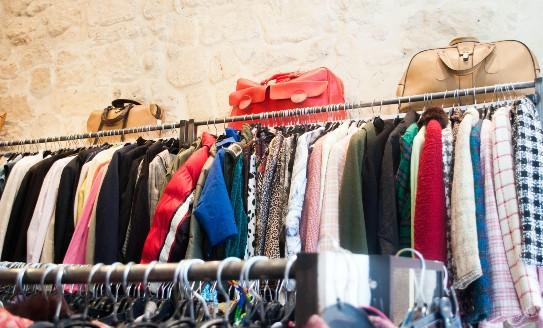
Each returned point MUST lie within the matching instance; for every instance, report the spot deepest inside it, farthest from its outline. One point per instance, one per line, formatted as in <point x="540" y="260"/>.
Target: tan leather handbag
<point x="467" y="63"/>
<point x="125" y="113"/>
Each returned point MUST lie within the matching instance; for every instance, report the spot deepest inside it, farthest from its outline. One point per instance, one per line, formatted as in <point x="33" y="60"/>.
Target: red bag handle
<point x="281" y="77"/>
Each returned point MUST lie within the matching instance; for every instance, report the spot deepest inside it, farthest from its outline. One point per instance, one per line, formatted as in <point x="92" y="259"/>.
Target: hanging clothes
<point x="524" y="276"/>
<point x="505" y="304"/>
<point x="176" y="192"/>
<point x="528" y="158"/>
<point x="463" y="219"/>
<point x="64" y="209"/>
<point x="403" y="185"/>
<point x="389" y="215"/>
<point x="309" y="225"/>
<point x="23" y="208"/>
<point x="430" y="213"/>
<point x="352" y="224"/>
<point x="11" y="191"/>
<point x="376" y="137"/>
<point x="43" y="214"/>
<point x="297" y="191"/>
<point x="329" y="221"/>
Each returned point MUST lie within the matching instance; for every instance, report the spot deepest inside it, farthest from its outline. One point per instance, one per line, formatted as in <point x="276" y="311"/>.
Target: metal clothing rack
<point x="306" y="269"/>
<point x="506" y="87"/>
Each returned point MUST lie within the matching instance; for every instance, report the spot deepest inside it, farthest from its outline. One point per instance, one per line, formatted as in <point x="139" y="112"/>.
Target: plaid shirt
<point x="528" y="153"/>
<point x="403" y="195"/>
<point x="524" y="276"/>
<point x="504" y="299"/>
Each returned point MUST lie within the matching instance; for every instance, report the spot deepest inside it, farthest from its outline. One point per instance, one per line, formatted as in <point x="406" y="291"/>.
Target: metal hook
<point x="60" y="291"/>
<point x="193" y="292"/>
<point x="92" y="272"/>
<point x="48" y="268"/>
<point x="287" y="282"/>
<point x="126" y="271"/>
<point x="423" y="270"/>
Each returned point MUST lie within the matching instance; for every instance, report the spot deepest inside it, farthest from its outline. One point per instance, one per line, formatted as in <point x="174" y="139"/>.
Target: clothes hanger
<point x="257" y="308"/>
<point x="146" y="322"/>
<point x="222" y="322"/>
<point x="289" y="287"/>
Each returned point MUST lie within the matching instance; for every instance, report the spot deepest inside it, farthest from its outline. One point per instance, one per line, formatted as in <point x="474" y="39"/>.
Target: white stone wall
<point x="61" y="59"/>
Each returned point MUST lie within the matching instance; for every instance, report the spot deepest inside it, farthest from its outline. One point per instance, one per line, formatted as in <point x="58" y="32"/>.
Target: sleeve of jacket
<point x="64" y="211"/>
<point x="214" y="210"/>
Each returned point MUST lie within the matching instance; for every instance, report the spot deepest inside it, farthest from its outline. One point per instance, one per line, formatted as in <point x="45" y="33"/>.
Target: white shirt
<point x="10" y="191"/>
<point x="44" y="210"/>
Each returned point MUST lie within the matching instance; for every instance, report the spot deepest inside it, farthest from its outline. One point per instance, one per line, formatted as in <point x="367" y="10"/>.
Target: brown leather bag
<point x="125" y="113"/>
<point x="467" y="63"/>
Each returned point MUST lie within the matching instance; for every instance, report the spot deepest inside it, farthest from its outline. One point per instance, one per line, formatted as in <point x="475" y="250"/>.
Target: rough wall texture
<point x="61" y="59"/>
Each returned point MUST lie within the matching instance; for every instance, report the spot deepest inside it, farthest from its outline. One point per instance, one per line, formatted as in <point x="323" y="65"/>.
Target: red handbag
<point x="285" y="91"/>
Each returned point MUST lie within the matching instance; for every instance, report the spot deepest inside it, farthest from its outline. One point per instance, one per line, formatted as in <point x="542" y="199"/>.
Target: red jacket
<point x="175" y="193"/>
<point x="430" y="211"/>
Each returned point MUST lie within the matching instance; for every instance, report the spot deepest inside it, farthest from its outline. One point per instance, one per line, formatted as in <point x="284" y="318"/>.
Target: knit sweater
<point x="429" y="221"/>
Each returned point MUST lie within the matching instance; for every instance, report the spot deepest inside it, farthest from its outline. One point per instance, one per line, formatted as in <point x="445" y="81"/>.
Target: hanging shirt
<point x="235" y="246"/>
<point x="76" y="253"/>
<point x="11" y="190"/>
<point x="329" y="141"/>
<point x="44" y="211"/>
<point x="528" y="157"/>
<point x="403" y="185"/>
<point x="448" y="148"/>
<point x="297" y="192"/>
<point x="478" y="293"/>
<point x="524" y="275"/>
<point x="352" y="224"/>
<point x="505" y="304"/>
<point x="266" y="190"/>
<point x="463" y="219"/>
<point x="309" y="225"/>
<point x="176" y="192"/>
<point x="329" y="221"/>
<point x="64" y="208"/>
<point x="418" y="142"/>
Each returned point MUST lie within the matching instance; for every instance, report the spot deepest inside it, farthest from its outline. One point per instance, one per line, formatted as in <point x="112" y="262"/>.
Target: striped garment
<point x="505" y="304"/>
<point x="524" y="276"/>
<point x="403" y="195"/>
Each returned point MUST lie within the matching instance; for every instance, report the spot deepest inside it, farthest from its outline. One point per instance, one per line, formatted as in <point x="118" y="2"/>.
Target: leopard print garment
<point x="275" y="219"/>
<point x="265" y="203"/>
<point x="251" y="209"/>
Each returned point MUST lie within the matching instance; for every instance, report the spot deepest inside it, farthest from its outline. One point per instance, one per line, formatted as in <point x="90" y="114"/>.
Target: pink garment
<point x="505" y="305"/>
<point x="329" y="221"/>
<point x="12" y="321"/>
<point x="77" y="252"/>
<point x="310" y="223"/>
<point x="524" y="276"/>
